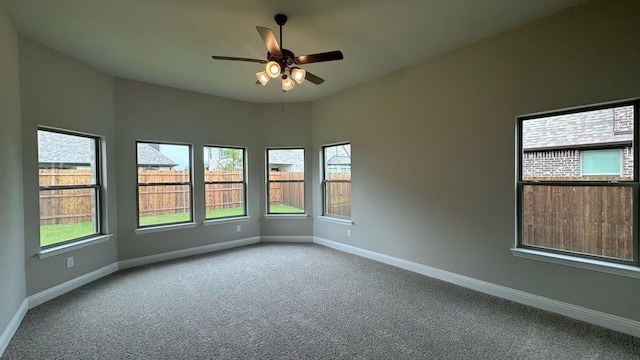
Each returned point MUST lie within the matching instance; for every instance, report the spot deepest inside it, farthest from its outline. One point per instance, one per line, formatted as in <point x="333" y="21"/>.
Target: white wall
<point x="157" y="113"/>
<point x="58" y="91"/>
<point x="288" y="128"/>
<point x="12" y="270"/>
<point x="433" y="152"/>
<point x="434" y="148"/>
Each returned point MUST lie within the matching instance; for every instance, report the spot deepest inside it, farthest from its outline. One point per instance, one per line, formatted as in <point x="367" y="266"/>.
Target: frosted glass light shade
<point x="298" y="75"/>
<point x="273" y="69"/>
<point x="287" y="84"/>
<point x="263" y="77"/>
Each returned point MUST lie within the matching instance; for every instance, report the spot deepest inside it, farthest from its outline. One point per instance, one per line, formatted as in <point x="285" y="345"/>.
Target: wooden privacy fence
<point x="338" y="195"/>
<point x="69" y="205"/>
<point x="587" y="219"/>
<point x="224" y="196"/>
<point x="286" y="193"/>
<point x="163" y="199"/>
<point x="72" y="206"/>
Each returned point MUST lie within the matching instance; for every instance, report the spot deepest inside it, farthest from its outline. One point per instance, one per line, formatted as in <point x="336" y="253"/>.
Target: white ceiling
<point x="170" y="42"/>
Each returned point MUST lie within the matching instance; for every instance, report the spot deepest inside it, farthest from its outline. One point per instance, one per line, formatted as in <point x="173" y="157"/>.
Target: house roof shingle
<point x="148" y="156"/>
<point x="58" y="148"/>
<point x="55" y="148"/>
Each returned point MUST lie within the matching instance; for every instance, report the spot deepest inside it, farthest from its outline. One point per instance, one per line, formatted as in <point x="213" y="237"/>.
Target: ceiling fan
<point x="283" y="62"/>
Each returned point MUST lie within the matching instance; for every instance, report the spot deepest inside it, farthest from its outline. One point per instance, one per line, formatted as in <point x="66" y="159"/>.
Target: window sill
<point x="43" y="254"/>
<point x="225" y="220"/>
<point x="154" y="229"/>
<point x="286" y="216"/>
<point x="589" y="264"/>
<point x="347" y="222"/>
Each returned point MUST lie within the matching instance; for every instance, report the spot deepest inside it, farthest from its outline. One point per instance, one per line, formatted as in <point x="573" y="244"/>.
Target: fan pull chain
<point x="282" y="102"/>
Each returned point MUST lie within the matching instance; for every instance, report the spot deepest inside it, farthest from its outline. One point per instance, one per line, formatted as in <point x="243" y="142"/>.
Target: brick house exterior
<point x="286" y="161"/>
<point x="553" y="146"/>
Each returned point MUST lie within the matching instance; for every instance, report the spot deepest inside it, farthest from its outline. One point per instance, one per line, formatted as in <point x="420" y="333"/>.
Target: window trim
<point x="567" y="257"/>
<point x="324" y="182"/>
<point x="243" y="182"/>
<point x="152" y="227"/>
<point x="268" y="213"/>
<point x="57" y="250"/>
<point x="98" y="190"/>
<point x="629" y="270"/>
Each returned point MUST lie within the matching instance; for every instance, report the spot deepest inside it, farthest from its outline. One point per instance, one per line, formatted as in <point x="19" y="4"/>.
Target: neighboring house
<point x="286" y="161"/>
<point x="60" y="151"/>
<point x="579" y="146"/>
<point x="152" y="159"/>
<point x="338" y="159"/>
<point x="339" y="164"/>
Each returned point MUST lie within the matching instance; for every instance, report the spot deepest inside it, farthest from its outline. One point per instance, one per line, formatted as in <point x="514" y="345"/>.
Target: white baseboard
<point x="599" y="318"/>
<point x="11" y="329"/>
<point x="145" y="260"/>
<point x="287" y="239"/>
<point x="46" y="295"/>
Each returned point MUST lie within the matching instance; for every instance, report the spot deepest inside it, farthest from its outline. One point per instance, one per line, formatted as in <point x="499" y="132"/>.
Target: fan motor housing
<point x="287" y="59"/>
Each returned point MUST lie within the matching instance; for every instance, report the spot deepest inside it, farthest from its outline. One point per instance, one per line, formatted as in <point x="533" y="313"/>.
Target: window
<point x="577" y="182"/>
<point x="285" y="183"/>
<point x="224" y="182"/>
<point x="601" y="162"/>
<point x="336" y="182"/>
<point x="70" y="187"/>
<point x="164" y="184"/>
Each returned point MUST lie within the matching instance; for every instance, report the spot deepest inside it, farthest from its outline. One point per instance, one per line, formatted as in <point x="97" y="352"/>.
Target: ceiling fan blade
<point x="269" y="40"/>
<point x="238" y="59"/>
<point x="314" y="58"/>
<point x="313" y="78"/>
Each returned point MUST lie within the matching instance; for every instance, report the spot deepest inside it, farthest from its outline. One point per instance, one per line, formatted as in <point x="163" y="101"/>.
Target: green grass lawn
<point x="164" y="219"/>
<point x="286" y="209"/>
<point x="53" y="234"/>
<point x="220" y="213"/>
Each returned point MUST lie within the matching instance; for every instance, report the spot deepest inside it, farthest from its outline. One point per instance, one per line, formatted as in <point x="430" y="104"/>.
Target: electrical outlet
<point x="238" y="228"/>
<point x="348" y="232"/>
<point x="69" y="262"/>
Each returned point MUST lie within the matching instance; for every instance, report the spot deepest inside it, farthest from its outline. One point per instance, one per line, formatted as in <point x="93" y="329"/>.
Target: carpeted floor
<point x="297" y="301"/>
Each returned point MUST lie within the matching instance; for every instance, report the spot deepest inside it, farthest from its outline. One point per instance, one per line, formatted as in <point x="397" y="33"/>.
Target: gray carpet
<point x="297" y="301"/>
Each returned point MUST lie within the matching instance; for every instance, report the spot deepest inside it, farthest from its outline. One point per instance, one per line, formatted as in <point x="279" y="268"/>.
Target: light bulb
<point x="298" y="75"/>
<point x="273" y="69"/>
<point x="263" y="77"/>
<point x="287" y="84"/>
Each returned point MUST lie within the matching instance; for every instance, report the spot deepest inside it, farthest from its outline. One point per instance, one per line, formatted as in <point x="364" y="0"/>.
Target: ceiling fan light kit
<point x="282" y="62"/>
<point x="263" y="77"/>
<point x="273" y="69"/>
<point x="298" y="74"/>
<point x="287" y="83"/>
